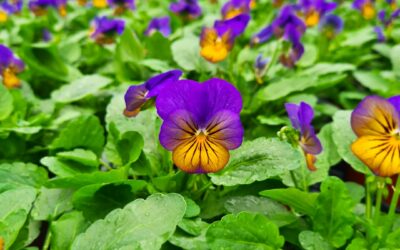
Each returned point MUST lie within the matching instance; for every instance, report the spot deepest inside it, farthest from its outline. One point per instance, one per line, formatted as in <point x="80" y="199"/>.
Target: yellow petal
<point x="3" y="16"/>
<point x="312" y="18"/>
<point x="380" y="153"/>
<point x="368" y="11"/>
<point x="310" y="160"/>
<point x="200" y="155"/>
<point x="100" y="3"/>
<point x="10" y="80"/>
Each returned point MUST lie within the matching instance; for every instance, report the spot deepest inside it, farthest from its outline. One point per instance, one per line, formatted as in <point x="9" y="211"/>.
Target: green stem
<point x="368" y="205"/>
<point x="392" y="210"/>
<point x="274" y="57"/>
<point x="294" y="179"/>
<point x="378" y="203"/>
<point x="46" y="244"/>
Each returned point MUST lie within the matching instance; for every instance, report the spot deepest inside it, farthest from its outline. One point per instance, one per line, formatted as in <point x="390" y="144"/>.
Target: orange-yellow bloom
<point x="376" y="123"/>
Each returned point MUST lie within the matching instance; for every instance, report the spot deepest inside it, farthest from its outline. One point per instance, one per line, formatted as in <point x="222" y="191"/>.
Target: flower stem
<point x="296" y="185"/>
<point x="378" y="203"/>
<point x="368" y="200"/>
<point x="392" y="210"/>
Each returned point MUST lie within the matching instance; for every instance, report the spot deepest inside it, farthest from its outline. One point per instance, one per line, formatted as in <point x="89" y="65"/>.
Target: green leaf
<point x="85" y="132"/>
<point x="97" y="200"/>
<point x="84" y="157"/>
<point x="130" y="47"/>
<point x="65" y="229"/>
<point x="63" y="168"/>
<point x="393" y="239"/>
<point x="144" y="123"/>
<point x="192" y="209"/>
<point x="188" y="242"/>
<point x="244" y="231"/>
<point x="285" y="86"/>
<point x="313" y="241"/>
<point x="80" y="88"/>
<point x="258" y="160"/>
<point x="299" y="200"/>
<point x="358" y="244"/>
<point x="395" y="59"/>
<point x="6" y="102"/>
<point x="274" y="211"/>
<point x="359" y="37"/>
<point x="142" y="224"/>
<point x="333" y="217"/>
<point x="22" y="174"/>
<point x="372" y="80"/>
<point x="51" y="203"/>
<point x="186" y="53"/>
<point x="15" y="205"/>
<point x="328" y="68"/>
<point x="28" y="233"/>
<point x="343" y="136"/>
<point x="193" y="227"/>
<point x="122" y="149"/>
<point x="81" y="180"/>
<point x="356" y="191"/>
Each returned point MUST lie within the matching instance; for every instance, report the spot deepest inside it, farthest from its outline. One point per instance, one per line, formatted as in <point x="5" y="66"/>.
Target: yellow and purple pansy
<point x="367" y="8"/>
<point x="10" y="66"/>
<point x="120" y="6"/>
<point x="137" y="95"/>
<point x="201" y="123"/>
<point x="9" y="7"/>
<point x="161" y="24"/>
<point x="376" y="122"/>
<point x="217" y="42"/>
<point x="314" y="10"/>
<point x="301" y="117"/>
<point x="331" y="25"/>
<point x="189" y="9"/>
<point x="234" y="8"/>
<point x="40" y="7"/>
<point x="105" y="30"/>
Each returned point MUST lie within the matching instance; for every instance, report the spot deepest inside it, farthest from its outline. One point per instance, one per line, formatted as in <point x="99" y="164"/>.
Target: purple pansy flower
<point x="105" y="30"/>
<point x="288" y="27"/>
<point x="120" y="6"/>
<point x="260" y="66"/>
<point x="331" y="25"/>
<point x="11" y="6"/>
<point x="216" y="42"/>
<point x="46" y="35"/>
<point x="314" y="10"/>
<point x="186" y="8"/>
<point x="201" y="123"/>
<point x="301" y="116"/>
<point x="39" y="7"/>
<point x="386" y="21"/>
<point x="9" y="67"/>
<point x="366" y="7"/>
<point x="379" y="34"/>
<point x="376" y="122"/>
<point x="161" y="24"/>
<point x="233" y="8"/>
<point x="137" y="95"/>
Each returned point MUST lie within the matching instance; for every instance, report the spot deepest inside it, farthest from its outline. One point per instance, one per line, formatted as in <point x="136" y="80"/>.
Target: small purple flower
<point x="105" y="30"/>
<point x="380" y="34"/>
<point x="46" y="35"/>
<point x="301" y="117"/>
<point x="331" y="25"/>
<point x="161" y="24"/>
<point x="366" y="7"/>
<point x="39" y="7"/>
<point x="216" y="42"/>
<point x="260" y="66"/>
<point x="9" y="67"/>
<point x="201" y="123"/>
<point x="286" y="22"/>
<point x="233" y="8"/>
<point x="137" y="95"/>
<point x="11" y="6"/>
<point x="314" y="10"/>
<point x="120" y="6"/>
<point x="186" y="8"/>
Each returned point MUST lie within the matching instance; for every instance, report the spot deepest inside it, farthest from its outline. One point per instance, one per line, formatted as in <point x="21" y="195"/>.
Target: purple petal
<point x="235" y="25"/>
<point x="293" y="111"/>
<point x="155" y="84"/>
<point x="379" y="33"/>
<point x="375" y="116"/>
<point x="395" y="101"/>
<point x="161" y="24"/>
<point x="6" y="57"/>
<point x="135" y="97"/>
<point x="263" y="36"/>
<point x="309" y="141"/>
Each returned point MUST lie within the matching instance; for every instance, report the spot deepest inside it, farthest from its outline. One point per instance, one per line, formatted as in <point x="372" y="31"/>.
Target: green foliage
<point x="244" y="231"/>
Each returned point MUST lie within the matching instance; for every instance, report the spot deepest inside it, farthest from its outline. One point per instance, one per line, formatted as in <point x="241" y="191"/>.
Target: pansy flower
<point x="301" y="116"/>
<point x="287" y="22"/>
<point x="234" y="8"/>
<point x="138" y="95"/>
<point x="9" y="7"/>
<point x="376" y="122"/>
<point x="104" y="30"/>
<point x="120" y="6"/>
<point x="40" y="7"/>
<point x="367" y="8"/>
<point x="331" y="25"/>
<point x="314" y="10"/>
<point x="289" y="27"/>
<point x="260" y="66"/>
<point x="161" y="25"/>
<point x="387" y="23"/>
<point x="46" y="35"/>
<point x="189" y="9"/>
<point x="216" y="42"/>
<point x="201" y="123"/>
<point x="10" y="66"/>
